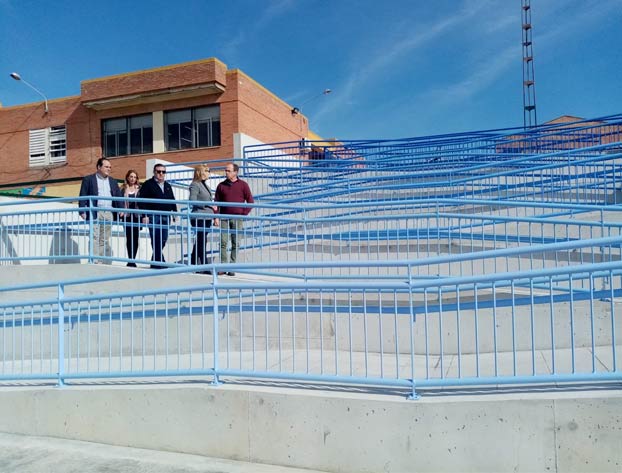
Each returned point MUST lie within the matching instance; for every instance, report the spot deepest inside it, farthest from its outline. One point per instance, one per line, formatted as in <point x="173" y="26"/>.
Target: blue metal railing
<point x="488" y="257"/>
<point x="374" y="230"/>
<point x="476" y="289"/>
<point x="512" y="163"/>
<point x="489" y="328"/>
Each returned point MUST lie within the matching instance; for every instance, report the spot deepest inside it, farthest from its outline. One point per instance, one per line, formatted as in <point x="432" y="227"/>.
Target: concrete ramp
<point x="32" y="454"/>
<point x="321" y="427"/>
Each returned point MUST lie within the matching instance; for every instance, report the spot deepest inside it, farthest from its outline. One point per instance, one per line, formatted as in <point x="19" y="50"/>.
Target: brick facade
<point x="245" y="107"/>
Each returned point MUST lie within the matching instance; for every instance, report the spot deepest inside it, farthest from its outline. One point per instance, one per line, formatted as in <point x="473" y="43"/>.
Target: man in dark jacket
<point x="158" y="219"/>
<point x="102" y="211"/>
<point x="232" y="189"/>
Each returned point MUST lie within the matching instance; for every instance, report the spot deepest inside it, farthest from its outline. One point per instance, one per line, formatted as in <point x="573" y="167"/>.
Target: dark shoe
<point x="131" y="265"/>
<point x="221" y="273"/>
<point x="230" y="273"/>
<point x="204" y="272"/>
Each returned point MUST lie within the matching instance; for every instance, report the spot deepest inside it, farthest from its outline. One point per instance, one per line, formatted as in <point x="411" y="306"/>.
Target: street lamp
<point x="296" y="110"/>
<point x="16" y="76"/>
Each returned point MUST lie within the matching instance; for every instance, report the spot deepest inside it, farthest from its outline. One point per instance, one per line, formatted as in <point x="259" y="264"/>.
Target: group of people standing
<point x="158" y="215"/>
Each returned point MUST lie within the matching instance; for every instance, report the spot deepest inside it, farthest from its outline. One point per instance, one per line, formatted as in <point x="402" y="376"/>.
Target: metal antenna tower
<point x="529" y="83"/>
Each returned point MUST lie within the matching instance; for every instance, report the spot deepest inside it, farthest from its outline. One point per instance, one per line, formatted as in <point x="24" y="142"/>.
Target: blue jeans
<point x="158" y="231"/>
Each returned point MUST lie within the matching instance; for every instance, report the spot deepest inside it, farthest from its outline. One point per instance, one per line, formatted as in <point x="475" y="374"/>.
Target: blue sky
<point x="397" y="68"/>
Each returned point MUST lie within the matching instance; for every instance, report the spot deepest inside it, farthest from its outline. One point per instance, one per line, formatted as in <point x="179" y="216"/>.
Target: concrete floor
<point x="31" y="454"/>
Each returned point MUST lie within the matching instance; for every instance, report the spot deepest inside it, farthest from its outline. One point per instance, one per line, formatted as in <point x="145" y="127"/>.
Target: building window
<point x="127" y="135"/>
<point x="47" y="146"/>
<point x="192" y="128"/>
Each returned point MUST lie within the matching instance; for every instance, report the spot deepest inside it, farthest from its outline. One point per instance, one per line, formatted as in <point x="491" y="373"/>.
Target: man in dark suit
<point x="159" y="217"/>
<point x="102" y="211"/>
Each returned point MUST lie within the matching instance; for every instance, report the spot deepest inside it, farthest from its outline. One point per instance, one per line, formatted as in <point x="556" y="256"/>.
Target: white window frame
<point x="47" y="146"/>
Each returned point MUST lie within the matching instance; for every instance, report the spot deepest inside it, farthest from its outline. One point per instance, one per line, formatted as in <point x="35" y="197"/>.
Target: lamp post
<point x="16" y="76"/>
<point x="296" y="110"/>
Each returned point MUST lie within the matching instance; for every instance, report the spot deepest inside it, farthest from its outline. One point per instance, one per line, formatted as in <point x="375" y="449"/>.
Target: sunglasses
<point x="160" y="171"/>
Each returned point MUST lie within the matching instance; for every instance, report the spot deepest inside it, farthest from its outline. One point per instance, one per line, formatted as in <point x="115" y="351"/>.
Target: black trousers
<point x="201" y="227"/>
<point x="132" y="235"/>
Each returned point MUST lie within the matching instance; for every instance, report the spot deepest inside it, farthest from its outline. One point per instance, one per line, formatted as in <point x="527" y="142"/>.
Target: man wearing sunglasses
<point x="159" y="220"/>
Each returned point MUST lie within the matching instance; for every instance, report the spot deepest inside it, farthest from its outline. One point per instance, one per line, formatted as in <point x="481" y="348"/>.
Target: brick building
<point x="566" y="132"/>
<point x="196" y="111"/>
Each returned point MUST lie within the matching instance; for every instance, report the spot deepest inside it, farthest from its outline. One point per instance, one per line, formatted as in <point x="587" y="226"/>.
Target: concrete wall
<point x="334" y="432"/>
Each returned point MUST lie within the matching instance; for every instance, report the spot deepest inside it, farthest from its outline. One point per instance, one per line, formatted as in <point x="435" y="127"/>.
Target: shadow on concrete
<point x="327" y="387"/>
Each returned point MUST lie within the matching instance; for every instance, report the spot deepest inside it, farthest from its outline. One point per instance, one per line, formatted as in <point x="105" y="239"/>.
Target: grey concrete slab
<point x="331" y="430"/>
<point x="21" y="275"/>
<point x="588" y="435"/>
<point x="499" y="433"/>
<point x="33" y="454"/>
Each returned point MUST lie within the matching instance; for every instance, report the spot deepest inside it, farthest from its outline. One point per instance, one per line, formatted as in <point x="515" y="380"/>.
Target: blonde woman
<point x="203" y="213"/>
<point x="130" y="189"/>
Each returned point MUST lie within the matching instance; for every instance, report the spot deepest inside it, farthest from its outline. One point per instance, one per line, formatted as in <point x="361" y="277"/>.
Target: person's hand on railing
<point x="216" y="222"/>
<point x="83" y="215"/>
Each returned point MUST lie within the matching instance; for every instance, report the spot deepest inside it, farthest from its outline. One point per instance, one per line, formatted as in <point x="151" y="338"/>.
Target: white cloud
<point x="388" y="54"/>
<point x="485" y="73"/>
<point x="274" y="10"/>
<point x="556" y="27"/>
<point x="581" y="20"/>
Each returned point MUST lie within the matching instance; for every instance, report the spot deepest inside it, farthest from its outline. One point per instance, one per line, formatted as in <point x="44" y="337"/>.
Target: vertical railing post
<point x="414" y="395"/>
<point x="61" y="336"/>
<point x="306" y="243"/>
<point x="216" y="380"/>
<point x="189" y="236"/>
<point x="438" y="226"/>
<point x="605" y="279"/>
<point x="90" y="222"/>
